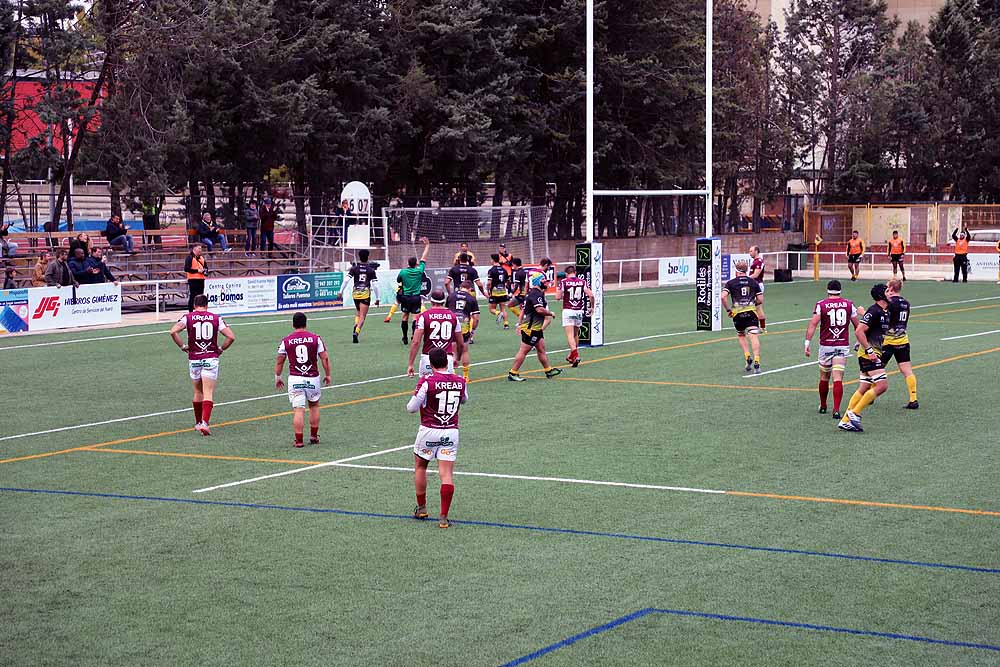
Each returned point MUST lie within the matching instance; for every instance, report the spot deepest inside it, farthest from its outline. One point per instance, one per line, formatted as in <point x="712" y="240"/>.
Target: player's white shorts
<point x="436" y="443"/>
<point x="302" y="390"/>
<point x="827" y="353"/>
<point x="761" y="286"/>
<point x="572" y="318"/>
<point x="425" y="364"/>
<point x="204" y="368"/>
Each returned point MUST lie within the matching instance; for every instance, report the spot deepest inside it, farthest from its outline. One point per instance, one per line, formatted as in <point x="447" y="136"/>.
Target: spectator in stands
<point x="268" y="216"/>
<point x="38" y="273"/>
<point x="116" y="232"/>
<point x="82" y="240"/>
<point x="79" y="268"/>
<point x="195" y="269"/>
<point x="211" y="233"/>
<point x="100" y="273"/>
<point x="252" y="224"/>
<point x="8" y="275"/>
<point x="57" y="273"/>
<point x="7" y="248"/>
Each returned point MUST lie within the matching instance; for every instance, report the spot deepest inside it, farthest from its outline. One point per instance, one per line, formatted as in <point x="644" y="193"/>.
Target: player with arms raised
<point x="897" y="341"/>
<point x="438" y="397"/>
<point x="463" y="303"/>
<point x="535" y="318"/>
<point x="203" y="329"/>
<point x="870" y="333"/>
<point x="304" y="350"/>
<point x="574" y="292"/>
<point x="437" y="329"/>
<point x="498" y="290"/>
<point x="364" y="276"/>
<point x="836" y="317"/>
<point x="746" y="297"/>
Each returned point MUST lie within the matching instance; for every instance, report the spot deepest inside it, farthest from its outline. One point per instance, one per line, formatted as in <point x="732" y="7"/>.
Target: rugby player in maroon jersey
<point x="304" y="351"/>
<point x="836" y="317"/>
<point x="573" y="291"/>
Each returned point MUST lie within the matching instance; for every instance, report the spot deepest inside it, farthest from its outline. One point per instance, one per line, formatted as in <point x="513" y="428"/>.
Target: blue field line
<point x="514" y="526"/>
<point x="743" y="619"/>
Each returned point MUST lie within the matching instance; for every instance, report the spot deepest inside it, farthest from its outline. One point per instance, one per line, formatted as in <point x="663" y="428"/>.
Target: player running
<point x="498" y="290"/>
<point x="303" y="348"/>
<point x="364" y="276"/>
<point x="436" y="329"/>
<point x="574" y="293"/>
<point x="897" y="342"/>
<point x="832" y="315"/>
<point x="463" y="303"/>
<point x="518" y="287"/>
<point x="896" y="249"/>
<point x="462" y="272"/>
<point x="855" y="249"/>
<point x="757" y="273"/>
<point x="746" y="298"/>
<point x="439" y="396"/>
<point x="410" y="282"/>
<point x="873" y="381"/>
<point x="535" y="318"/>
<point x="203" y="329"/>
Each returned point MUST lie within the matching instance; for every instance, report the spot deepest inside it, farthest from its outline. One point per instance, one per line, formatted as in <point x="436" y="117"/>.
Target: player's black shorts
<point x="517" y="300"/>
<point x="466" y="337"/>
<point x="532" y="338"/>
<point x="854" y="259"/>
<point x="896" y="259"/>
<point x="498" y="299"/>
<point x="410" y="303"/>
<point x="900" y="352"/>
<point x="873" y="368"/>
<point x="746" y="322"/>
<point x="358" y="302"/>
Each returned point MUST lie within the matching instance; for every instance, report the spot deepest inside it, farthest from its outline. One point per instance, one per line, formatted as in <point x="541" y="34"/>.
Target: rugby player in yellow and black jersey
<point x="463" y="303"/>
<point x="518" y="286"/>
<point x="364" y="276"/>
<point x="535" y="318"/>
<point x="870" y="334"/>
<point x="897" y="342"/>
<point x="497" y="281"/>
<point x="746" y="296"/>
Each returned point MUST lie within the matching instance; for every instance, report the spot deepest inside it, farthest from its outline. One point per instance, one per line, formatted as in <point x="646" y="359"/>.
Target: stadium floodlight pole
<point x="589" y="161"/>
<point x="709" y="12"/>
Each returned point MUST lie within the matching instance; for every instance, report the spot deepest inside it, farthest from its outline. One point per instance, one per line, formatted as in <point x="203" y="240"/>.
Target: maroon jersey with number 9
<point x="203" y="334"/>
<point x="302" y="349"/>
<point x="439" y="326"/>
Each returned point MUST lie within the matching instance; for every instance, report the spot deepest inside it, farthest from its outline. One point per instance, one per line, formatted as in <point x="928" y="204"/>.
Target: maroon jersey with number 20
<point x="439" y="396"/>
<point x="439" y="326"/>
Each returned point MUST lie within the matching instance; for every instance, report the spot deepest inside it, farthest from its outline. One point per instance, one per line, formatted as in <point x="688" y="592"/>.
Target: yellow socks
<point x="515" y="309"/>
<point x="867" y="399"/>
<point x="911" y="385"/>
<point x="465" y="372"/>
<point x="855" y="398"/>
<point x="392" y="311"/>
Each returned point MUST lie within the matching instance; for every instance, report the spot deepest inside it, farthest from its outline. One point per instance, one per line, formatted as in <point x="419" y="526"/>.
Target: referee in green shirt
<point x="410" y="284"/>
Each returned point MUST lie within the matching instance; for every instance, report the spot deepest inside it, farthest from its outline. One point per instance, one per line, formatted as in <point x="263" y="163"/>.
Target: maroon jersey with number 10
<point x="834" y="321"/>
<point x="439" y="326"/>
<point x="574" y="294"/>
<point x="440" y="395"/>
<point x="203" y="334"/>
<point x="302" y="349"/>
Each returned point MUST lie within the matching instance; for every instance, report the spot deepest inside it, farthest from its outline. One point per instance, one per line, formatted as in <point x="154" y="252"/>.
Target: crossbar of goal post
<point x="708" y="256"/>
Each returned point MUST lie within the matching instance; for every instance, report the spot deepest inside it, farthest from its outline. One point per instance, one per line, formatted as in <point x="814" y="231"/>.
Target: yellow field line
<point x="963" y="322"/>
<point x="745" y="494"/>
<point x="862" y="503"/>
<point x="957" y="357"/>
<point x="957" y="310"/>
<point x="741" y="387"/>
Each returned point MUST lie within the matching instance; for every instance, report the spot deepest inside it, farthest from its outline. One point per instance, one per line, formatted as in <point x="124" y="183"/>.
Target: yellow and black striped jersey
<point x="744" y="291"/>
<point x="898" y="316"/>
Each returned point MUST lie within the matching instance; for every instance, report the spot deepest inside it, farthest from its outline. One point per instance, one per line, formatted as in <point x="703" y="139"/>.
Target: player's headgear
<point x="438" y="358"/>
<point x="833" y="287"/>
<point x="437" y="296"/>
<point x="363" y="255"/>
<point x="537" y="279"/>
<point x="299" y="320"/>
<point x="201" y="301"/>
<point x="878" y="292"/>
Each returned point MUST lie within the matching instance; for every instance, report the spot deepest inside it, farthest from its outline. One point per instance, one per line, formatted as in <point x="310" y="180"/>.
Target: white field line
<point x="298" y="470"/>
<point x="387" y="378"/>
<point x="981" y="333"/>
<point x="532" y="478"/>
<point x="778" y="370"/>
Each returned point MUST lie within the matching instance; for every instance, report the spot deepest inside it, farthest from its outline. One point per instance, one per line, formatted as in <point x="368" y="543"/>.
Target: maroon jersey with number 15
<point x="440" y="395"/>
<point x="834" y="321"/>
<point x="203" y="334"/>
<point x="302" y="349"/>
<point x="574" y="294"/>
<point x="439" y="326"/>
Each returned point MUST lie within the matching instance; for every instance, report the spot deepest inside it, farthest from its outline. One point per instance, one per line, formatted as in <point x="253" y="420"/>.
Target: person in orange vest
<point x="896" y="249"/>
<point x="195" y="270"/>
<point x="961" y="258"/>
<point x="855" y="249"/>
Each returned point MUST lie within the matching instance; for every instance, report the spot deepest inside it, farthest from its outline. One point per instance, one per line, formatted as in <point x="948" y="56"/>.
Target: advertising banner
<point x="309" y="290"/>
<point x="983" y="266"/>
<point x="729" y="265"/>
<point x="62" y="307"/>
<point x="708" y="284"/>
<point x="13" y="311"/>
<point x="590" y="266"/>
<point x="231" y="296"/>
<point x="676" y="271"/>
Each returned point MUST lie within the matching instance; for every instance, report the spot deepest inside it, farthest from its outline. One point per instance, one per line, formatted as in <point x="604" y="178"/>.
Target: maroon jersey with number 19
<point x="574" y="294"/>
<point x="834" y="321"/>
<point x="203" y="334"/>
<point x="302" y="349"/>
<point x="440" y="395"/>
<point x="439" y="326"/>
